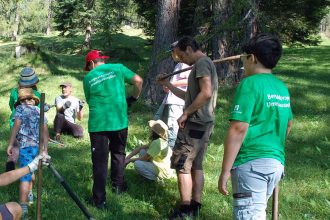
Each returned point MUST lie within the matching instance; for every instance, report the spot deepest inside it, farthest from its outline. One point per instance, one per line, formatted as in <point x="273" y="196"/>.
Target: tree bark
<point x="49" y="18"/>
<point x="16" y="23"/>
<point x="166" y="33"/>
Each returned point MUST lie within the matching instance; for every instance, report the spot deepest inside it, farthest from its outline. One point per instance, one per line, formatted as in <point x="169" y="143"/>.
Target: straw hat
<point x="26" y="93"/>
<point x="159" y="127"/>
<point x="28" y="77"/>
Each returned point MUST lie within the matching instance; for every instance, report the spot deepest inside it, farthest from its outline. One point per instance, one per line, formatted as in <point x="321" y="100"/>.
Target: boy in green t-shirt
<point x="260" y="121"/>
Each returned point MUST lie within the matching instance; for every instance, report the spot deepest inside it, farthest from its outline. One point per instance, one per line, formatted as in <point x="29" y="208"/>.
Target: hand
<point x="182" y="120"/>
<point x="44" y="157"/>
<point x="130" y="100"/>
<point x="222" y="183"/>
<point x="66" y="105"/>
<point x="47" y="107"/>
<point x="9" y="150"/>
<point x="81" y="104"/>
<point x="160" y="79"/>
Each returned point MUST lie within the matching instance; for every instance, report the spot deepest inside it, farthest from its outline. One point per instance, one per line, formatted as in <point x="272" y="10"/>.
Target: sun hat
<point x="93" y="55"/>
<point x="66" y="84"/>
<point x="26" y="93"/>
<point x="28" y="77"/>
<point x="159" y="127"/>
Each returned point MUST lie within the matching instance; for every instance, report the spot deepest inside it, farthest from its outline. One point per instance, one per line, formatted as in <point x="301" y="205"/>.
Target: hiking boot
<point x="195" y="208"/>
<point x="119" y="190"/>
<point x="181" y="213"/>
<point x="25" y="210"/>
<point x="100" y="206"/>
<point x="57" y="138"/>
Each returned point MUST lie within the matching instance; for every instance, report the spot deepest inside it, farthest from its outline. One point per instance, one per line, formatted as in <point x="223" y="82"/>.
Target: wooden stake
<point x="275" y="202"/>
<point x="41" y="149"/>
<point x="236" y="57"/>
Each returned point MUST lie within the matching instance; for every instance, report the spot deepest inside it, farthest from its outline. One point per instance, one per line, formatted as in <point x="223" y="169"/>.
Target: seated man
<point x="68" y="108"/>
<point x="154" y="160"/>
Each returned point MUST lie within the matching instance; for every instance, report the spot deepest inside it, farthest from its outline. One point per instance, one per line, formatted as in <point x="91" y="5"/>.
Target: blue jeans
<point x="253" y="183"/>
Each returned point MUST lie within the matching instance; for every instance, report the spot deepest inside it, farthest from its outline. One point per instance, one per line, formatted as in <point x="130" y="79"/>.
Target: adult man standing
<point x="105" y="93"/>
<point x="196" y="125"/>
<point x="68" y="108"/>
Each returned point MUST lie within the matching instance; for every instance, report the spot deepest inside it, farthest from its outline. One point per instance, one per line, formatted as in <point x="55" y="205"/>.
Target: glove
<point x="130" y="100"/>
<point x="45" y="158"/>
<point x="47" y="107"/>
<point x="66" y="105"/>
<point x="81" y="104"/>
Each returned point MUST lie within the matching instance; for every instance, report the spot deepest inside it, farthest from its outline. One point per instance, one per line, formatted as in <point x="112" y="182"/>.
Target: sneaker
<point x="57" y="138"/>
<point x="181" y="213"/>
<point x="30" y="198"/>
<point x="119" y="190"/>
<point x="195" y="208"/>
<point x="101" y="205"/>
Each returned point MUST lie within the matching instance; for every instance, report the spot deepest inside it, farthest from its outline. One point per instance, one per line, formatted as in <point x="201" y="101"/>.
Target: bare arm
<point x="11" y="176"/>
<point x="80" y="115"/>
<point x="181" y="82"/>
<point x="12" y="138"/>
<point x="233" y="142"/>
<point x="137" y="81"/>
<point x="165" y="82"/>
<point x="288" y="130"/>
<point x="135" y="152"/>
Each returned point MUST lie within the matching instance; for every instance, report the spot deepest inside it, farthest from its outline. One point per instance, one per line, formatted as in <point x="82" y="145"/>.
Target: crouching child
<point x="154" y="161"/>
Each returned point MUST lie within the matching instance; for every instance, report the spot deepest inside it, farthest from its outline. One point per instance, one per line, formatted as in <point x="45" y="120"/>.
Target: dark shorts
<point x="190" y="147"/>
<point x="5" y="214"/>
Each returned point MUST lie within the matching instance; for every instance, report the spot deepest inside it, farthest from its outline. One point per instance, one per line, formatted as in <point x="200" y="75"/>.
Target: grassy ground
<point x="304" y="192"/>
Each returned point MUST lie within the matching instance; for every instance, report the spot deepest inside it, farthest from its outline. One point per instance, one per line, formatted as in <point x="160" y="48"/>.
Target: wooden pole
<point x="275" y="202"/>
<point x="236" y="57"/>
<point x="41" y="149"/>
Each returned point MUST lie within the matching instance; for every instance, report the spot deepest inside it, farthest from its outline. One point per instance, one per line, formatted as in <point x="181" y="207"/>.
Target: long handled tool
<point x="41" y="148"/>
<point x="236" y="57"/>
<point x="275" y="202"/>
<point x="70" y="192"/>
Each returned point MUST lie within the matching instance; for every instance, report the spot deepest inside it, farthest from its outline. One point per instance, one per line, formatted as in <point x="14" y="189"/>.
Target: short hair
<point x="186" y="41"/>
<point x="266" y="47"/>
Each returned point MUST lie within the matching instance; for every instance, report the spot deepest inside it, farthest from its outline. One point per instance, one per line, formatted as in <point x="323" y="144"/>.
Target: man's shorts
<point x="5" y="214"/>
<point x="190" y="147"/>
<point x="26" y="155"/>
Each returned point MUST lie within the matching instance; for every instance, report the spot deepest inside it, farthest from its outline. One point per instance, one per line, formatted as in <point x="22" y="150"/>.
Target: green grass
<point x="304" y="192"/>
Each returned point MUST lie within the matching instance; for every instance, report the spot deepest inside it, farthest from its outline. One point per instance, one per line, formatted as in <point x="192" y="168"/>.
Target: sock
<point x="10" y="165"/>
<point x="25" y="210"/>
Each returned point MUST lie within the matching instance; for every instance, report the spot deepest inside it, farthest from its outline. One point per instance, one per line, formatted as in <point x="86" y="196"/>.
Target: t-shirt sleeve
<point x="154" y="148"/>
<point x="58" y="100"/>
<point x="18" y="113"/>
<point x="244" y="102"/>
<point x="127" y="73"/>
<point x="203" y="69"/>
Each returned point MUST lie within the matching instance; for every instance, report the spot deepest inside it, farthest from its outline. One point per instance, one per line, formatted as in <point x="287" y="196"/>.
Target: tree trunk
<point x="49" y="18"/>
<point x="88" y="30"/>
<point x="16" y="24"/>
<point x="166" y="33"/>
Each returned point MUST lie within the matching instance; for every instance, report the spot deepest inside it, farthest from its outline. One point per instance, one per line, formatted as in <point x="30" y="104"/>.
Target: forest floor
<point x="304" y="192"/>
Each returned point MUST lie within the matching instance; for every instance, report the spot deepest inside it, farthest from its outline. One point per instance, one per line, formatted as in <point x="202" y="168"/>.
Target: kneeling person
<point x="68" y="109"/>
<point x="154" y="160"/>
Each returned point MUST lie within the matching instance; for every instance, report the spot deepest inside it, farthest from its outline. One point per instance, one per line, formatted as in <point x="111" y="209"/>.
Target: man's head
<point x="185" y="49"/>
<point x="263" y="50"/>
<point x="66" y="89"/>
<point x="93" y="59"/>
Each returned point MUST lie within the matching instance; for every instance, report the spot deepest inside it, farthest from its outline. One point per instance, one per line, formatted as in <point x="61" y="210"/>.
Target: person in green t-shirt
<point x="260" y="121"/>
<point x="28" y="79"/>
<point x="154" y="158"/>
<point x="104" y="88"/>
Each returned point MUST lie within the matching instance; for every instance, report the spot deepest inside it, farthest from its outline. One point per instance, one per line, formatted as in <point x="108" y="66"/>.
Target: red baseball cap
<point x="93" y="55"/>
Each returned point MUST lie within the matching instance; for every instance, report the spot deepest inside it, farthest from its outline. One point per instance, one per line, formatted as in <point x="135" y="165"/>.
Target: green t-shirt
<point x="160" y="154"/>
<point x="13" y="99"/>
<point x="262" y="101"/>
<point x="204" y="67"/>
<point x="105" y="93"/>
